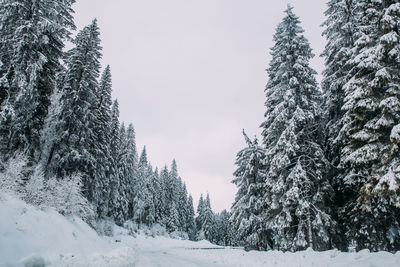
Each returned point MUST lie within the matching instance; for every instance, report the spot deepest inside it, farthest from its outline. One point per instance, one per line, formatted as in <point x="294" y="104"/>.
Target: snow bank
<point x="32" y="237"/>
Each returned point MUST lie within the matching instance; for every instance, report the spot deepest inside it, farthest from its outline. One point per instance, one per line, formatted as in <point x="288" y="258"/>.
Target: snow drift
<point x="33" y="237"/>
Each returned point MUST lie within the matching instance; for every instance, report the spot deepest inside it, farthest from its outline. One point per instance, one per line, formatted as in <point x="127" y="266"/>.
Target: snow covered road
<point x="165" y="252"/>
<point x="169" y="259"/>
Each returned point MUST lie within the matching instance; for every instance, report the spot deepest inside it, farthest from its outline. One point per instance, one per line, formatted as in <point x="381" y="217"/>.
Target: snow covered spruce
<point x="286" y="190"/>
<point x="327" y="177"/>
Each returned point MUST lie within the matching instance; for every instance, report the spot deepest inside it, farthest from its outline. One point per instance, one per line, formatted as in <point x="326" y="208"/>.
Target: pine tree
<point x="297" y="190"/>
<point x="370" y="155"/>
<point x="31" y="41"/>
<point x="248" y="210"/>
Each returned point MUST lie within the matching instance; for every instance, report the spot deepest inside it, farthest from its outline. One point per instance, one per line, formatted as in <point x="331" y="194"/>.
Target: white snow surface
<point x="32" y="237"/>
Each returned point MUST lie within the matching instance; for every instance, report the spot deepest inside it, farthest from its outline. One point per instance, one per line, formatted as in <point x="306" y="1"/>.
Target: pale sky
<point x="190" y="75"/>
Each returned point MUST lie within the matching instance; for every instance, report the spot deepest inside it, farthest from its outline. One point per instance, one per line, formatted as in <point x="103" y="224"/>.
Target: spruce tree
<point x="297" y="190"/>
<point x="248" y="210"/>
<point x="208" y="226"/>
<point x="140" y="190"/>
<point x="31" y="42"/>
<point x="200" y="217"/>
<point x="173" y="185"/>
<point x="158" y="196"/>
<point x="205" y="219"/>
<point x="116" y="145"/>
<point x="104" y="167"/>
<point x="125" y="175"/>
<point x="173" y="219"/>
<point x="130" y="160"/>
<point x="340" y="27"/>
<point x="151" y="201"/>
<point x="164" y="200"/>
<point x="114" y="132"/>
<point x="190" y="222"/>
<point x="74" y="149"/>
<point x="183" y="208"/>
<point x="223" y="233"/>
<point x="118" y="200"/>
<point x="370" y="155"/>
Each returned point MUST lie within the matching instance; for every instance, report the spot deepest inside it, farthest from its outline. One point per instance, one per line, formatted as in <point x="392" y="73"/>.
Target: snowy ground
<point x="30" y="237"/>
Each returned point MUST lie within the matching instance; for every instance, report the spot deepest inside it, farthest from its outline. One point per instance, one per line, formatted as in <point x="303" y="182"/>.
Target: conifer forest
<point x="323" y="174"/>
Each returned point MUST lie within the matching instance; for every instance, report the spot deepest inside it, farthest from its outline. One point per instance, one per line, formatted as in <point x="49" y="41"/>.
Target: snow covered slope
<point x="31" y="237"/>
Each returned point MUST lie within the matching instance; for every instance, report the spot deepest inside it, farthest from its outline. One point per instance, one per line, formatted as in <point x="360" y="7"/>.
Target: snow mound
<point x="33" y="237"/>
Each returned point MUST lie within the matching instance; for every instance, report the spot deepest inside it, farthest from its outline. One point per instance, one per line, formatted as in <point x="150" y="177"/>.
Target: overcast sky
<point x="190" y="74"/>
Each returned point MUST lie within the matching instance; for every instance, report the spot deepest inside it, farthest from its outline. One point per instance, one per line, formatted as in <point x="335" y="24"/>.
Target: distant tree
<point x="157" y="196"/>
<point x="200" y="217"/>
<point x="173" y="219"/>
<point x="140" y="190"/>
<point x="208" y="226"/>
<point x="164" y="200"/>
<point x="223" y="231"/>
<point x="151" y="199"/>
<point x="205" y="219"/>
<point x="190" y="222"/>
